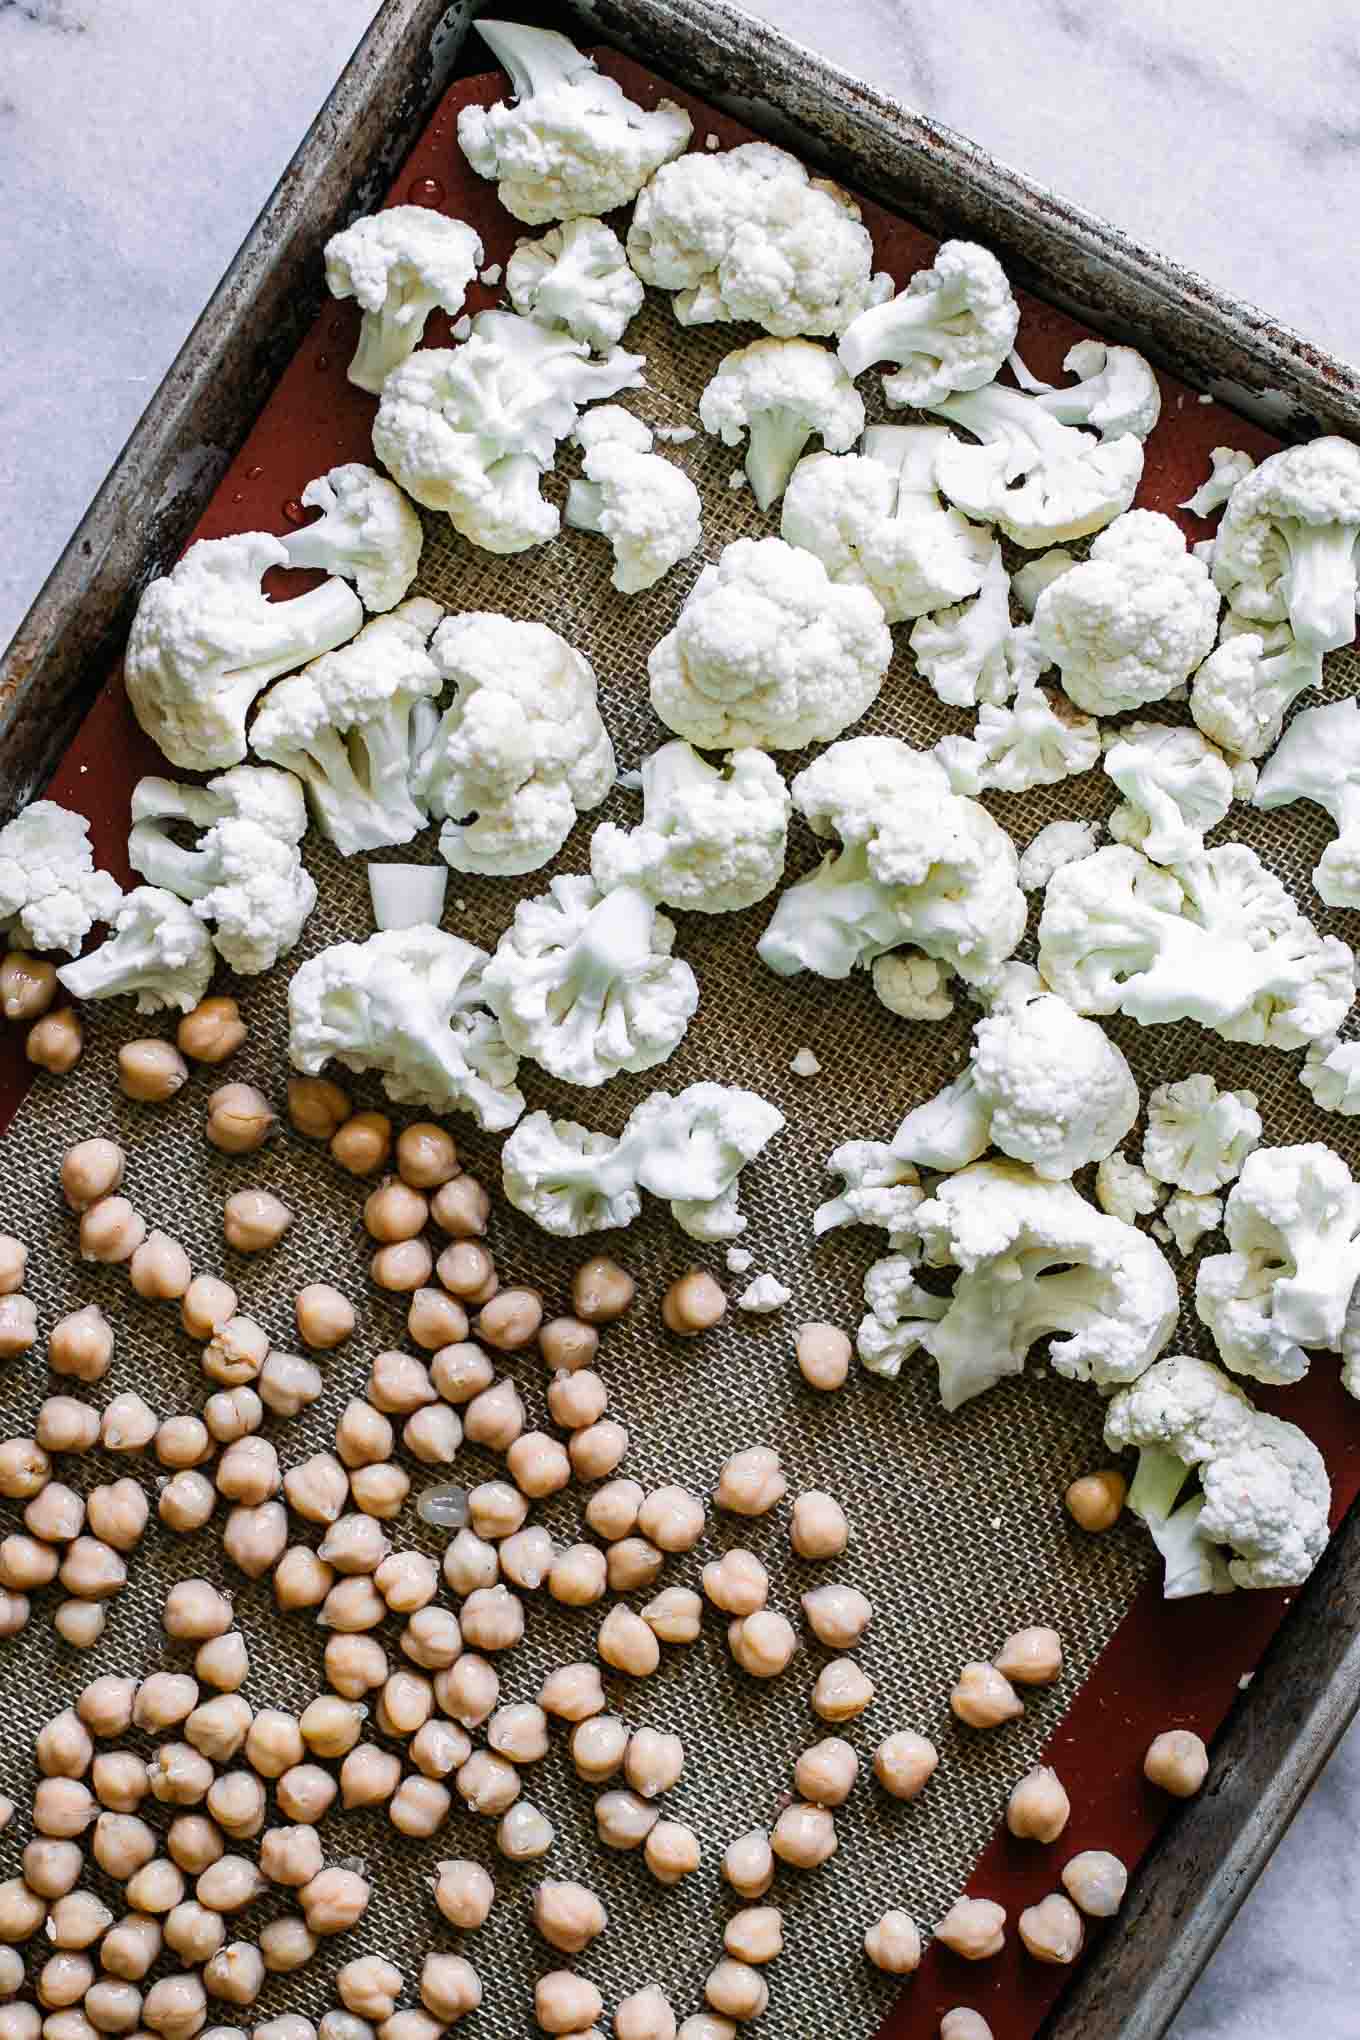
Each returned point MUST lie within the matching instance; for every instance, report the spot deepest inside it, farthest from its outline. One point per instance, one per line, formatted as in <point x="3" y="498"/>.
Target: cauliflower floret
<point x="710" y="841"/>
<point x="1227" y="468"/>
<point x="974" y="653"/>
<point x="1264" y="1491"/>
<point x="1116" y="392"/>
<point x="748" y="234"/>
<point x="1131" y="623"/>
<point x="584" y="982"/>
<point x="50" y="893"/>
<point x="1188" y="1216"/>
<point x="1318" y="759"/>
<point x="520" y="749"/>
<point x="1331" y="1073"/>
<point x="879" y="1189"/>
<point x="568" y="1180"/>
<point x="159" y="949"/>
<point x="1057" y="844"/>
<point x="577" y="276"/>
<point x="367" y="533"/>
<point x="1286" y="544"/>
<point x="1126" y="1191"/>
<point x="901" y="1315"/>
<point x="401" y="264"/>
<point x="408" y="1002"/>
<point x="918" y="866"/>
<point x="1029" y="581"/>
<point x="950" y="329"/>
<point x="1219" y="941"/>
<point x="781" y="392"/>
<point x="246" y="873"/>
<point x="205" y="640"/>
<point x="646" y="507"/>
<point x="1033" y="742"/>
<point x="874" y="518"/>
<point x="574" y="144"/>
<point x="766" y="1294"/>
<point x="1176" y="787"/>
<point x="347" y="726"/>
<point x="1036" y="478"/>
<point x="1198" y="1136"/>
<point x="768" y="652"/>
<point x="1241" y="693"/>
<point x="912" y="985"/>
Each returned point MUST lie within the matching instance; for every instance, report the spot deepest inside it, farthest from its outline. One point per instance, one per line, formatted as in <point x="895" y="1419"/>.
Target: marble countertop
<point x="138" y="142"/>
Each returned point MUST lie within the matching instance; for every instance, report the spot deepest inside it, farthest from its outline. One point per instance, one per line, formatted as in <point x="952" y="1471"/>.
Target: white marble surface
<point x="139" y="139"/>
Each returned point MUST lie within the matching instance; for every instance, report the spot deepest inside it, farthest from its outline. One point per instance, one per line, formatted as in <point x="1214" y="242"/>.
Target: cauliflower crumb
<point x="736" y="480"/>
<point x="1060" y="843"/>
<point x="1204" y="398"/>
<point x="677" y="435"/>
<point x="805" y="1064"/>
<point x="764" y="1295"/>
<point x="711" y="142"/>
<point x="461" y="906"/>
<point x="1188" y="1216"/>
<point x="462" y="327"/>
<point x="492" y="273"/>
<point x="1126" y="1191"/>
<point x="739" y="1260"/>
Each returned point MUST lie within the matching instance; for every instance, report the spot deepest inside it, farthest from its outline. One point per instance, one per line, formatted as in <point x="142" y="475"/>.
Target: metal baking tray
<point x="1286" y="1722"/>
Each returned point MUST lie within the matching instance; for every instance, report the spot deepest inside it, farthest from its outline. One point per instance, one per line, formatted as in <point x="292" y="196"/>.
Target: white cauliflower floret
<point x="1293" y="1223"/>
<point x="1286" y="545"/>
<point x="206" y="639"/>
<point x="1219" y="941"/>
<point x="1029" y="581"/>
<point x="972" y="653"/>
<point x="1318" y="759"/>
<point x="568" y="1180"/>
<point x="400" y="264"/>
<point x="347" y="726"/>
<point x="780" y="392"/>
<point x="1331" y="1073"/>
<point x="408" y="1002"/>
<point x="1227" y="467"/>
<point x="367" y="533"/>
<point x="1034" y="1258"/>
<point x="875" y="519"/>
<point x="159" y="949"/>
<point x="1241" y="693"/>
<point x="246" y="872"/>
<point x="901" y="1314"/>
<point x="711" y="841"/>
<point x="574" y="144"/>
<point x="914" y="986"/>
<point x="1036" y="741"/>
<point x="1131" y="623"/>
<point x="1116" y="391"/>
<point x="748" y="234"/>
<point x="1126" y="1191"/>
<point x="577" y="276"/>
<point x="584" y="982"/>
<point x="648" y="508"/>
<point x="520" y="749"/>
<point x="1198" y="1136"/>
<point x="1263" y="1487"/>
<point x="1176" y="787"/>
<point x="1039" y="480"/>
<point x="768" y="652"/>
<point x="879" y="1189"/>
<point x="1056" y="844"/>
<point x="918" y="866"/>
<point x="50" y="893"/>
<point x="766" y="1294"/>
<point x="950" y="329"/>
<point x="1188" y="1216"/>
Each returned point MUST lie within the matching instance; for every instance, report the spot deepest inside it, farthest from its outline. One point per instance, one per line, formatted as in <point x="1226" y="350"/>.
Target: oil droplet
<point x="253" y="474"/>
<point x="295" y="512"/>
<point x="236" y="495"/>
<point x="323" y="362"/>
<point x="426" y="191"/>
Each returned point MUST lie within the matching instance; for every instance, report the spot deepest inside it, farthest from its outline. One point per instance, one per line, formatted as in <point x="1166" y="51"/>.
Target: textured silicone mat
<point x="958" y="1531"/>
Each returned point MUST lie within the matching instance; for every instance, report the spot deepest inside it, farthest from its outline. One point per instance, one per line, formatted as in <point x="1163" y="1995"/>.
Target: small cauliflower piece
<point x="711" y="841"/>
<point x="1318" y="759"/>
<point x="1227" y="467"/>
<point x="912" y="985"/>
<point x="1116" y="391"/>
<point x="1197" y="1136"/>
<point x="781" y="393"/>
<point x="918" y="865"/>
<point x="1057" y="844"/>
<point x="880" y="1189"/>
<point x="1176" y="787"/>
<point x="648" y="509"/>
<point x="1029" y="581"/>
<point x="1219" y="941"/>
<point x="1035" y="741"/>
<point x="584" y="982"/>
<point x="407" y="895"/>
<point x="400" y="264"/>
<point x="1331" y="1074"/>
<point x="50" y="893"/>
<point x="1130" y="624"/>
<point x="577" y="276"/>
<point x="1188" y="1216"/>
<point x="1126" y="1191"/>
<point x="950" y="329"/>
<point x="246" y="872"/>
<point x="764" y="1296"/>
<point x="568" y="1180"/>
<point x="769" y="652"/>
<point x="1263" y="1487"/>
<point x="1041" y="481"/>
<point x="520" y="750"/>
<point x="206" y="639"/>
<point x="409" y="1003"/>
<point x="347" y="726"/>
<point x="159" y="949"/>
<point x="974" y="653"/>
<point x="367" y="533"/>
<point x="1286" y="543"/>
<point x="1240" y="695"/>
<point x="574" y="145"/>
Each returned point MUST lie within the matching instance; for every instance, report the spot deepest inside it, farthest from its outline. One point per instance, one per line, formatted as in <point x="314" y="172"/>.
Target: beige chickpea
<point x="1177" y="1761"/>
<point x="130" y="1948"/>
<point x="80" y="1623"/>
<point x="904" y="1763"/>
<point x="325" y="1318"/>
<point x="751" y="1482"/>
<point x="492" y="1618"/>
<point x="804" y="1836"/>
<point x="407" y="1581"/>
<point x="22" y="1911"/>
<point x="823" y="1353"/>
<point x="157" y="1888"/>
<point x="229" y="1885"/>
<point x="842" y="1690"/>
<point x="438" y="1749"/>
<point x="63" y="1746"/>
<point x="693" y="1304"/>
<point x="317" y="1107"/>
<point x="496" y="1509"/>
<point x="893" y="1943"/>
<point x="763" y="1644"/>
<point x="817" y="1528"/>
<point x="468" y="1272"/>
<point x="487" y="1784"/>
<point x="578" y="1576"/>
<point x="175" y="2007"/>
<point x="65" y="1424"/>
<point x="675" y="1615"/>
<point x="56" y="1515"/>
<point x="90" y="1170"/>
<point x="362" y="1143"/>
<point x="565" y="2002"/>
<point x="495" y="1418"/>
<point x="369" y="1987"/>
<point x="330" y="1726"/>
<point x="984" y="1697"/>
<point x="598" y="1450"/>
<point x="274" y="1742"/>
<point x="151" y="1071"/>
<point x="355" y="1664"/>
<point x="963" y="2023"/>
<point x="236" y="1352"/>
<point x="468" y="1690"/>
<point x="180" y="1776"/>
<point x="524" y="1833"/>
<point x="119" y="1780"/>
<point x="305" y="1793"/>
<point x="464" y="1894"/>
<point x="460" y="1371"/>
<point x="379" y="1491"/>
<point x="18" y="1326"/>
<point x="510" y="1320"/>
<point x="825" y="1774"/>
<point x="573" y="1692"/>
<point x="193" y="1932"/>
<point x="183" y="1441"/>
<point x="644" y="2015"/>
<point x="368" y="1777"/>
<point x="289" y="1384"/>
<point x="974" y="1928"/>
<point x="363" y="1435"/>
<point x="519" y="1732"/>
<point x="113" y="2007"/>
<point x="235" y="1973"/>
<point x="91" y="1570"/>
<point x="207" y="1304"/>
<point x="232" y="1413"/>
<point x="254" y="1220"/>
<point x="426" y="1156"/>
<point x="461" y="1208"/>
<point x="399" y="1383"/>
<point x="568" y="1346"/>
<point x="1031" y="1657"/>
<point x="598" y="1746"/>
<point x="568" y="1915"/>
<point x="107" y="1704"/>
<point x="193" y="1840"/>
<point x="838" y="1616"/>
<point x="290" y="1856"/>
<point x="612" y="1512"/>
<point x="26" y="1563"/>
<point x="56" y="1042"/>
<point x="52" y="1868"/>
<point x="217" y="1728"/>
<point x="25" y="1468"/>
<point x="737" y="1583"/>
<point x="28" y="985"/>
<point x="632" y="1563"/>
<point x="240" y="1119"/>
<point x="81" y="1344"/>
<point x="255" y="1537"/>
<point x="13" y="1264"/>
<point x="735" y="1990"/>
<point x="627" y="1644"/>
<point x="403" y="1268"/>
<point x="673" y="1518"/>
<point x="288" y="2026"/>
<point x="1096" y="1882"/>
<point x="405" y="1704"/>
<point x="601" y="1290"/>
<point x="411" y="2024"/>
<point x="1038" y="1808"/>
<point x="223" y="1662"/>
<point x="163" y="1700"/>
<point x="394" y="1212"/>
<point x="449" y="1988"/>
<point x="623" y="1820"/>
<point x="317" y="1489"/>
<point x="436" y="1319"/>
<point x="1095" y="1501"/>
<point x="653" y="1762"/>
<point x="756" y="1934"/>
<point x="186" y="1502"/>
<point x="213" y="1031"/>
<point x="111" y="1231"/>
<point x="526" y="1558"/>
<point x="1052" y="1930"/>
<point x="432" y="1638"/>
<point x="576" y="1400"/>
<point x="14" y="1613"/>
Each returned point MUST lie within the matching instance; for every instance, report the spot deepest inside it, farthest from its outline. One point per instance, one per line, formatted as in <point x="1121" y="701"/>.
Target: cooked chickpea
<point x="984" y="1697"/>
<point x="460" y="1371"/>
<point x="207" y="1304"/>
<point x="183" y="1441"/>
<point x="598" y="1746"/>
<point x="573" y="1692"/>
<point x="468" y="1272"/>
<point x="213" y="1031"/>
<point x="56" y="1042"/>
<point x="91" y="1170"/>
<point x="495" y="1418"/>
<point x="408" y="1581"/>
<point x="675" y="1615"/>
<point x="234" y="1413"/>
<point x="229" y="1885"/>
<point x="963" y="2023"/>
<point x="826" y="1773"/>
<point x="290" y="1855"/>
<point x="673" y="1518"/>
<point x="13" y="1264"/>
<point x="751" y="1482"/>
<point x="355" y="1665"/>
<point x="254" y="1220"/>
<point x="275" y="1741"/>
<point x="492" y="1618"/>
<point x="217" y="1728"/>
<point x="91" y="1570"/>
<point x="566" y="2003"/>
<point x="193" y="1932"/>
<point x="151" y="1071"/>
<point x="81" y="1344"/>
<point x="1052" y="1930"/>
<point x="461" y="1208"/>
<point x="113" y="2007"/>
<point x="737" y="1583"/>
<point x="526" y="1558"/>
<point x="464" y="1893"/>
<point x="368" y="1777"/>
<point x="435" y="1320"/>
<point x="601" y="1290"/>
<point x="363" y="1435"/>
<point x="80" y="1623"/>
<point x="823" y="1353"/>
<point x="524" y="1834"/>
<point x="402" y="1268"/>
<point x="186" y="1502"/>
<point x="842" y="1691"/>
<point x="56" y="1515"/>
<point x="568" y="1916"/>
<point x="487" y="1783"/>
<point x="1032" y="1657"/>
<point x="449" y="1988"/>
<point x="107" y="1704"/>
<point x="576" y="1400"/>
<point x="612" y="1512"/>
<point x="325" y="1318"/>
<point x="974" y="1928"/>
<point x="52" y="1868"/>
<point x="240" y="1119"/>
<point x="653" y="1762"/>
<point x="163" y="1700"/>
<point x="596" y="1451"/>
<point x="756" y="1934"/>
<point x="305" y="1793"/>
<point x="255" y="1536"/>
<point x="130" y="1947"/>
<point x="763" y="1644"/>
<point x="438" y="1749"/>
<point x="1177" y="1761"/>
<point x="329" y="1726"/>
<point x="111" y="1231"/>
<point x="223" y="1662"/>
<point x="399" y="1383"/>
<point x="317" y="1107"/>
<point x="1096" y="1882"/>
<point x="1096" y="1500"/>
<point x="379" y="1491"/>
<point x="193" y="1840"/>
<point x="120" y="1781"/>
<point x="235" y="1973"/>
<point x="175" y="2007"/>
<point x="317" y="1489"/>
<point x="804" y="1836"/>
<point x="496" y="1510"/>
<point x="18" y="1326"/>
<point x="180" y="1775"/>
<point x="838" y="1616"/>
<point x="510" y="1320"/>
<point x="644" y="2015"/>
<point x="362" y="1143"/>
<point x="24" y="1468"/>
<point x="127" y="1424"/>
<point x="22" y="1912"/>
<point x="468" y="1690"/>
<point x="693" y="1304"/>
<point x="28" y="985"/>
<point x="369" y="1987"/>
<point x="63" y="1746"/>
<point x="904" y="1763"/>
<point x="569" y="1347"/>
<point x="818" y="1528"/>
<point x="27" y="1563"/>
<point x="236" y="1352"/>
<point x="14" y="1613"/>
<point x="157" y="1888"/>
<point x="632" y="1563"/>
<point x="623" y="1820"/>
<point x="578" y="1576"/>
<point x="289" y="2026"/>
<point x="627" y="1644"/>
<point x="1038" y="1808"/>
<point x="893" y="1943"/>
<point x="289" y="1384"/>
<point x="405" y="1704"/>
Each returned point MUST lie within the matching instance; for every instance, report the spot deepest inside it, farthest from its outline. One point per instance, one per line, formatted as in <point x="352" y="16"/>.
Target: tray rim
<point x="1286" y="1724"/>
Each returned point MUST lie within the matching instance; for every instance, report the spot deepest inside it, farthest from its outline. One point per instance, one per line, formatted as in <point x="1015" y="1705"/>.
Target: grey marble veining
<point x="139" y="139"/>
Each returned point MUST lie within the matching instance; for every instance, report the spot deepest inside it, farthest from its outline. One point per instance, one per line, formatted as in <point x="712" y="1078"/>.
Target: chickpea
<point x="596" y="1451"/>
<point x="1052" y="1930"/>
<point x="156" y="1888"/>
<point x="408" y="1582"/>
<point x="1038" y="1808"/>
<point x="460" y="1372"/>
<point x="325" y="1318"/>
<point x="368" y="1777"/>
<point x="461" y="1208"/>
<point x="106" y="1705"/>
<point x="632" y="1563"/>
<point x="352" y="1605"/>
<point x="576" y="1400"/>
<point x="818" y="1528"/>
<point x="363" y="1435"/>
<point x="984" y="1697"/>
<point x="435" y="1320"/>
<point x="736" y="1990"/>
<point x="329" y="1726"/>
<point x="464" y="1894"/>
<point x="254" y="1220"/>
<point x="222" y="1661"/>
<point x="317" y="1108"/>
<point x="755" y="1935"/>
<point x="28" y="985"/>
<point x="248" y="1471"/>
<point x="207" y="1304"/>
<point x="675" y="1615"/>
<point x="362" y="1144"/>
<point x="468" y="1272"/>
<point x="568" y="1916"/>
<point x="318" y="1489"/>
<point x="519" y="1732"/>
<point x="18" y="1326"/>
<point x="974" y="1928"/>
<point x="572" y="1693"/>
<point x="305" y="1793"/>
<point x="289" y="1384"/>
<point x="1032" y="1657"/>
<point x="56" y="1042"/>
<point x="27" y="1563"/>
<point x="369" y="1987"/>
<point x="355" y="1665"/>
<point x="81" y="1344"/>
<point x="180" y="1775"/>
<point x="578" y="1575"/>
<point x="355" y="1544"/>
<point x="598" y="1747"/>
<point x="623" y="1820"/>
<point x="487" y="1784"/>
<point x="510" y="1320"/>
<point x="438" y="1749"/>
<point x="962" y="2023"/>
<point x="1096" y="1882"/>
<point x="255" y="1537"/>
<point x="826" y="1773"/>
<point x="236" y="1352"/>
<point x="63" y="1747"/>
<point x="904" y="1763"/>
<point x="56" y="1515"/>
<point x="1177" y="1761"/>
<point x="737" y="1583"/>
<point x="127" y="1424"/>
<point x="893" y="1943"/>
<point x="627" y="1644"/>
<point x="183" y="1441"/>
<point x="14" y="1613"/>
<point x="213" y="1031"/>
<point x="496" y="1510"/>
<point x="495" y="1418"/>
<point x="91" y="1170"/>
<point x="403" y="1268"/>
<point x="151" y="1071"/>
<point x="524" y="1834"/>
<point x="290" y="1855"/>
<point x="449" y="1988"/>
<point x="131" y="1947"/>
<point x="120" y="1780"/>
<point x="235" y="1973"/>
<point x="399" y="1383"/>
<point x="24" y="1468"/>
<point x="379" y="1491"/>
<point x="432" y="1638"/>
<point x="186" y="1502"/>
<point x="601" y="1290"/>
<point x="63" y="1981"/>
<point x="763" y="1644"/>
<point x="175" y="2007"/>
<point x="565" y="2002"/>
<point x="240" y="1119"/>
<point x="22" y="1912"/>
<point x="673" y="1518"/>
<point x="52" y="1868"/>
<point x="229" y="1885"/>
<point x="804" y="1836"/>
<point x="693" y="1304"/>
<point x="394" y="1212"/>
<point x="218" y="1727"/>
<point x="13" y="1264"/>
<point x="110" y="1231"/>
<point x="492" y="1619"/>
<point x="274" y="1742"/>
<point x="653" y="1762"/>
<point x="162" y="1701"/>
<point x="751" y="1482"/>
<point x="644" y="2015"/>
<point x="289" y="2026"/>
<point x="113" y="2007"/>
<point x="838" y="1616"/>
<point x="63" y="1807"/>
<point x="568" y="1347"/>
<point x="80" y="1623"/>
<point x="1096" y="1500"/>
<point x="842" y="1691"/>
<point x="823" y="1353"/>
<point x="65" y="1424"/>
<point x="193" y="1840"/>
<point x="405" y="1704"/>
<point x="193" y="1932"/>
